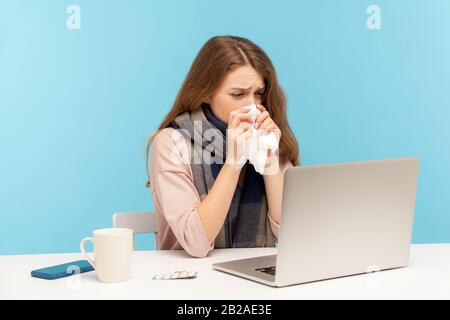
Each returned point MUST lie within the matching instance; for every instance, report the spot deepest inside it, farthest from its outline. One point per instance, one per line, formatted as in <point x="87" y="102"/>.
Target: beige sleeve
<point x="175" y="194"/>
<point x="273" y="225"/>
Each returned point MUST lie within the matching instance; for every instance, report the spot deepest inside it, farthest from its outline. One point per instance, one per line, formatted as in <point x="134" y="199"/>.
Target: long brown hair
<point x="219" y="56"/>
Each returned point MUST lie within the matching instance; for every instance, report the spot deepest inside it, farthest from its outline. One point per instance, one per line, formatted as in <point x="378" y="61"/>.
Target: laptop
<point x="339" y="220"/>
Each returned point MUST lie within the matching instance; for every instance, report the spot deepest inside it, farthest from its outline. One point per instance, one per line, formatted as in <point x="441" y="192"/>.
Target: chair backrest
<point x="138" y="221"/>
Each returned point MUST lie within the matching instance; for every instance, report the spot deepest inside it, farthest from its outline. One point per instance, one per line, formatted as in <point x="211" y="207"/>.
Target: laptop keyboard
<point x="269" y="270"/>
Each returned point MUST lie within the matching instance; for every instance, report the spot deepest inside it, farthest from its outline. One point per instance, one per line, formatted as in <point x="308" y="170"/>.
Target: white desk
<point x="427" y="277"/>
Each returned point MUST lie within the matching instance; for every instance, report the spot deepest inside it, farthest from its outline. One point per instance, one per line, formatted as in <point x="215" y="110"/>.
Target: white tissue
<point x="257" y="146"/>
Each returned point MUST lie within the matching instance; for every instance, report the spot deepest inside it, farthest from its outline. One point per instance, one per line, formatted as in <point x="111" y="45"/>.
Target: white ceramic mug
<point x="113" y="250"/>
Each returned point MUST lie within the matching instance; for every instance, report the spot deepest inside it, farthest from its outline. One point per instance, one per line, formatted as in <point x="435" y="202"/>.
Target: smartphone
<point x="62" y="270"/>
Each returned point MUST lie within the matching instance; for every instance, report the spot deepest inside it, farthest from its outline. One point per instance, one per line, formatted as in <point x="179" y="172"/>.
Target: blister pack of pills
<point x="175" y="275"/>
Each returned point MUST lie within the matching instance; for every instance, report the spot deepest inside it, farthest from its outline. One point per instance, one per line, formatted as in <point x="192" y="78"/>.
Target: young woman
<point x="220" y="204"/>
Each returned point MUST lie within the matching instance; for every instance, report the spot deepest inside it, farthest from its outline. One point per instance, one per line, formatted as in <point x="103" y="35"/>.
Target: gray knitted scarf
<point x="246" y="224"/>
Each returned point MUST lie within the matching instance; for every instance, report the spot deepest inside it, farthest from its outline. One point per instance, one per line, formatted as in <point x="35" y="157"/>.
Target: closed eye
<point x="240" y="94"/>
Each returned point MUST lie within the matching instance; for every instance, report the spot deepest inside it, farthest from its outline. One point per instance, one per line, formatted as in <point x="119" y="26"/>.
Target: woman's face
<point x="241" y="87"/>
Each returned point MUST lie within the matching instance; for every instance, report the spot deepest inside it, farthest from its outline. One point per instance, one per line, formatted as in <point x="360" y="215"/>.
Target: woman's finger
<point x="238" y="118"/>
<point x="268" y="122"/>
<point x="236" y="113"/>
<point x="245" y="125"/>
<point x="262" y="117"/>
<point x="244" y="136"/>
<point x="261" y="107"/>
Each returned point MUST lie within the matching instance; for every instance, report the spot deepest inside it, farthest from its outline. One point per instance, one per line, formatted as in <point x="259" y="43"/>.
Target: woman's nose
<point x="249" y="101"/>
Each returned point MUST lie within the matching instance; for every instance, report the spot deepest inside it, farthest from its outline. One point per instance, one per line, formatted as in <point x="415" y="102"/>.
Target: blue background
<point x="77" y="105"/>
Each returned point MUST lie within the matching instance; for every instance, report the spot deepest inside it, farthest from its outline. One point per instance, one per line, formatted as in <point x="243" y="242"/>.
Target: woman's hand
<point x="265" y="123"/>
<point x="238" y="131"/>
